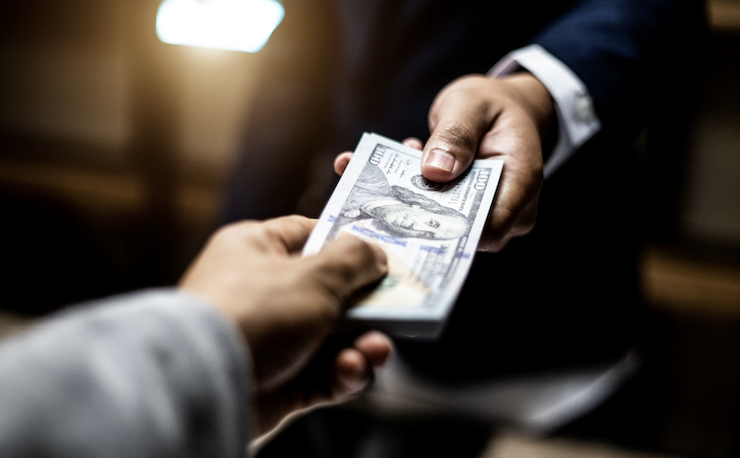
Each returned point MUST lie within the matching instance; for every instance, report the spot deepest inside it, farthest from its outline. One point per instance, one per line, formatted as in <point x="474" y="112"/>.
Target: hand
<point x="476" y="117"/>
<point x="286" y="306"/>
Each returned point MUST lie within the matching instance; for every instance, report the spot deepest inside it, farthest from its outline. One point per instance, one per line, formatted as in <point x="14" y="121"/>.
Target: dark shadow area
<point x="50" y="258"/>
<point x="334" y="433"/>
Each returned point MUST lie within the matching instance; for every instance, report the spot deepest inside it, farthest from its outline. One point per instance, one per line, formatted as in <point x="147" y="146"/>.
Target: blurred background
<point x="121" y="140"/>
<point x="115" y="149"/>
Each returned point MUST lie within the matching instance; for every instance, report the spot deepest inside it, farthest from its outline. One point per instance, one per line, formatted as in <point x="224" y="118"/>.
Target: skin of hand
<point x="286" y="307"/>
<point x="478" y="117"/>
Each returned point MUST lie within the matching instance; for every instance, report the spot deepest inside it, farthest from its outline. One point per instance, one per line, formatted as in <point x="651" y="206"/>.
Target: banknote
<point x="429" y="231"/>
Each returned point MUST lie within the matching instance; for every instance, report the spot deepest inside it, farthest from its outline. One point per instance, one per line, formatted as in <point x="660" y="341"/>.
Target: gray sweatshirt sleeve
<point x="152" y="374"/>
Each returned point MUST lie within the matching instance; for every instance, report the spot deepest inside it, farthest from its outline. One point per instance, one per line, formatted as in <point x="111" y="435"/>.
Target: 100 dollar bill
<point x="429" y="231"/>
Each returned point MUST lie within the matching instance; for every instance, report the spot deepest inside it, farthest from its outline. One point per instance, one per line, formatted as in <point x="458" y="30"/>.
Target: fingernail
<point x="440" y="159"/>
<point x="380" y="256"/>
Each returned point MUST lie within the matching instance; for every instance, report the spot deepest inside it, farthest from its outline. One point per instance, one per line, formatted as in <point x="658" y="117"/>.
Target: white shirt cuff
<point x="577" y="119"/>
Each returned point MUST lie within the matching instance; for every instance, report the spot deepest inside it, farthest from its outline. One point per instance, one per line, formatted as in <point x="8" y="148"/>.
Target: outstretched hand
<point x="477" y="117"/>
<point x="286" y="307"/>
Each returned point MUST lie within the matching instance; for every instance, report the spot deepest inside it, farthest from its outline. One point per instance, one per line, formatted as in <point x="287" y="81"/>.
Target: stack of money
<point x="429" y="231"/>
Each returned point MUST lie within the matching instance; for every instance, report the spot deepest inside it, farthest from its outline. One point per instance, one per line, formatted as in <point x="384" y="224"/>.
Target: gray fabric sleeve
<point x="151" y="374"/>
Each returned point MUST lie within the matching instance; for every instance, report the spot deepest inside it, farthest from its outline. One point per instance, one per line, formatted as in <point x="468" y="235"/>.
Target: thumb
<point x="458" y="120"/>
<point x="346" y="265"/>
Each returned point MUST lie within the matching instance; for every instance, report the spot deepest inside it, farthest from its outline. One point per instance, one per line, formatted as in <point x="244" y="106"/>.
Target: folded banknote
<point x="429" y="231"/>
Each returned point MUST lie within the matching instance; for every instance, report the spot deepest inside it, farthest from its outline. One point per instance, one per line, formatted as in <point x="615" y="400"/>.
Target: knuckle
<point x="312" y="280"/>
<point x="330" y="300"/>
<point x="523" y="227"/>
<point x="295" y="219"/>
<point x="491" y="244"/>
<point x="458" y="135"/>
<point x="527" y="222"/>
<point x="352" y="256"/>
<point x="330" y="279"/>
<point x="498" y="245"/>
<point x="504" y="217"/>
<point x="235" y="231"/>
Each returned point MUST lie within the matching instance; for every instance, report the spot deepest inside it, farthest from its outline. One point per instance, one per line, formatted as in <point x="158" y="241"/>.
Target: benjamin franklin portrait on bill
<point x="400" y="212"/>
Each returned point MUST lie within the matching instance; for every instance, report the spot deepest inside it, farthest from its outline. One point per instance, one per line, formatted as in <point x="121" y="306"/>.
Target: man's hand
<point x="286" y="306"/>
<point x="477" y="117"/>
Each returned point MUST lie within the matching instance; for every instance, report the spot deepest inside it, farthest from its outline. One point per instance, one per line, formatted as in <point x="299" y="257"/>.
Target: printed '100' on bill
<point x="429" y="231"/>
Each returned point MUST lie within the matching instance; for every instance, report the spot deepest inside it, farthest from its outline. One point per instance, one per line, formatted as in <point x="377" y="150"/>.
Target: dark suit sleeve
<point x="629" y="53"/>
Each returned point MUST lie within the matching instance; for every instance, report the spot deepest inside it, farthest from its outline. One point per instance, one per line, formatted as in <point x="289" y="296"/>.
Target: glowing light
<point x="238" y="25"/>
